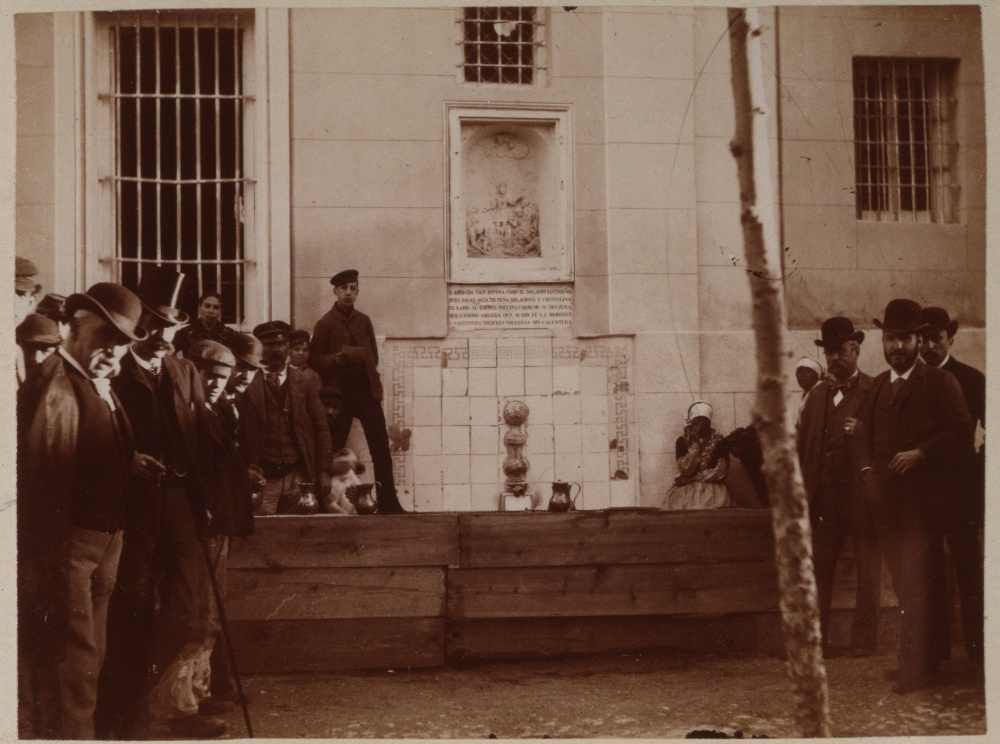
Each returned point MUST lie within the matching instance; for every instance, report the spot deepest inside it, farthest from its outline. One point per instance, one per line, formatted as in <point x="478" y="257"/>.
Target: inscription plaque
<point x="477" y="307"/>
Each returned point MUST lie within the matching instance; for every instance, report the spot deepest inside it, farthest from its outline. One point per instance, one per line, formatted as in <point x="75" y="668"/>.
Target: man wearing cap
<point x="964" y="519"/>
<point x="75" y="454"/>
<point x="284" y="430"/>
<point x="344" y="353"/>
<point x="158" y="616"/>
<point x="53" y="307"/>
<point x="38" y="338"/>
<point x="914" y="434"/>
<point x="26" y="287"/>
<point x="228" y="501"/>
<point x="829" y="440"/>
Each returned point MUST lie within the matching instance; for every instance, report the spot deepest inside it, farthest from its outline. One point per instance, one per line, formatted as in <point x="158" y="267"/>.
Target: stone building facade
<point x="353" y="140"/>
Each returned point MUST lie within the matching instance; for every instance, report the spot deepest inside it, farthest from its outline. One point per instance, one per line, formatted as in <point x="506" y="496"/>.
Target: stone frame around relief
<point x="510" y="187"/>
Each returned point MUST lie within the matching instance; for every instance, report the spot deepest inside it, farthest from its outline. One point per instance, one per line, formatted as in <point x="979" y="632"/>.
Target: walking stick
<point x="220" y="604"/>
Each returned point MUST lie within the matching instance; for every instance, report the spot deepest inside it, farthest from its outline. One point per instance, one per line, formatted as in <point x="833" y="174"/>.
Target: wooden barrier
<point x="324" y="593"/>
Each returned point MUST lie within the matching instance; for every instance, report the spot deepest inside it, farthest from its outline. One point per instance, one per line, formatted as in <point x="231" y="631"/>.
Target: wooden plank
<point x="667" y="589"/>
<point x="293" y="646"/>
<point x="335" y="541"/>
<point x="532" y="637"/>
<point x="613" y="537"/>
<point x="312" y="593"/>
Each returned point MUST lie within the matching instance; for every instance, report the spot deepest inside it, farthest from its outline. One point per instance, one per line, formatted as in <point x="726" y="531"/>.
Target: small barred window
<point x="904" y="113"/>
<point x="501" y="45"/>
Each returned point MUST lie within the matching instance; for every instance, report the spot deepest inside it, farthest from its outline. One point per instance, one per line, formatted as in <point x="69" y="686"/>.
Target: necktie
<point x="896" y="387"/>
<point x="273" y="380"/>
<point x="154" y="369"/>
<point x="842" y="387"/>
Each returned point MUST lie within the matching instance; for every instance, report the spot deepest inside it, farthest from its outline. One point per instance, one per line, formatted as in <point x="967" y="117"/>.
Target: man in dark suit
<point x="75" y="455"/>
<point x="158" y="622"/>
<point x="965" y="519"/>
<point x="916" y="431"/>
<point x="344" y="353"/>
<point x="284" y="429"/>
<point x="829" y="439"/>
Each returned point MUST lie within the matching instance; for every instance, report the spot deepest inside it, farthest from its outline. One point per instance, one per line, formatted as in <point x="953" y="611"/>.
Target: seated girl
<point x="703" y="464"/>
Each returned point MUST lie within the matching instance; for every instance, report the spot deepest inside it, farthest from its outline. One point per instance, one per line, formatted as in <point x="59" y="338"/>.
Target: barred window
<point x="904" y="139"/>
<point x="501" y="45"/>
<point x="178" y="175"/>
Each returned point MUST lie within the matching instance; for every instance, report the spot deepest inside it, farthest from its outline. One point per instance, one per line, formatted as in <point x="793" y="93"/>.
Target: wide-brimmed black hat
<point x="344" y="277"/>
<point x="37" y="330"/>
<point x="212" y="355"/>
<point x="116" y="304"/>
<point x="837" y="330"/>
<point x="53" y="306"/>
<point x="901" y="316"/>
<point x="937" y="319"/>
<point x="159" y="290"/>
<point x="274" y="330"/>
<point x="247" y="348"/>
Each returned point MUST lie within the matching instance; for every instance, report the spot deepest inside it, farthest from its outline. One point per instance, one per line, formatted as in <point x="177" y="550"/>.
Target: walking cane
<point x="220" y="604"/>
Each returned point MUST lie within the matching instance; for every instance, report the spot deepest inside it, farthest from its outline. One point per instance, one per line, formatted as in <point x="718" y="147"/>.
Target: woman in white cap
<point x="702" y="462"/>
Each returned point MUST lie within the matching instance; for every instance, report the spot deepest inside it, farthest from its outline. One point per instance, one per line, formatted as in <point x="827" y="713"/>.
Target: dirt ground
<point x="658" y="695"/>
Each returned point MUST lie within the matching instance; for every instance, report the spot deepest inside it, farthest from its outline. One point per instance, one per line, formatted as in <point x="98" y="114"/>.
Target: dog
<point x="346" y="469"/>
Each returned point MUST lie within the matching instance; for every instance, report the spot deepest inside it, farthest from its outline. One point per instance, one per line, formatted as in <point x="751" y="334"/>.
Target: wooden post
<point x="790" y="516"/>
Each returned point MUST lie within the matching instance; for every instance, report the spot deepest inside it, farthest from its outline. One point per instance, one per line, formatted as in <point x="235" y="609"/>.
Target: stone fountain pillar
<point x="515" y="496"/>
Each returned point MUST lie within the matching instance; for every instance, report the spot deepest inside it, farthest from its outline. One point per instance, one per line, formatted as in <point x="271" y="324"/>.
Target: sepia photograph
<point x="498" y="372"/>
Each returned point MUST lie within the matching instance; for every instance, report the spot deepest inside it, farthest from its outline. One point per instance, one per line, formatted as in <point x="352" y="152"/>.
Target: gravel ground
<point x="657" y="695"/>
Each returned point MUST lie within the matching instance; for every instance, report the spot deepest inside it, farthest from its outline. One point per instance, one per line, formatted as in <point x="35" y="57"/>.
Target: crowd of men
<point x="147" y="440"/>
<point x="891" y="463"/>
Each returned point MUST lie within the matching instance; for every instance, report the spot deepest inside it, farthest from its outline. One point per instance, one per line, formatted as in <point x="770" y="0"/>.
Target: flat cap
<point x="247" y="349"/>
<point x="212" y="355"/>
<point x="344" y="277"/>
<point x="37" y="330"/>
<point x="25" y="275"/>
<point x="276" y="330"/>
<point x="53" y="306"/>
<point x="297" y="336"/>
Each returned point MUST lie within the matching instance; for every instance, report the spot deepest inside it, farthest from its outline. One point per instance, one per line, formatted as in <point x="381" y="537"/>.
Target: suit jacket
<point x="183" y="398"/>
<point x="929" y="414"/>
<point x="973" y="384"/>
<point x="812" y="424"/>
<point x="334" y="331"/>
<point x="312" y="433"/>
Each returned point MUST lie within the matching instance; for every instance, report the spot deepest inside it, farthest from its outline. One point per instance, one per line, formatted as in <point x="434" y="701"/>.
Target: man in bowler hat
<point x="829" y="439"/>
<point x="158" y="625"/>
<point x="344" y="353"/>
<point x="38" y="338"/>
<point x="75" y="453"/>
<point x="964" y="519"/>
<point x="916" y="430"/>
<point x="283" y="425"/>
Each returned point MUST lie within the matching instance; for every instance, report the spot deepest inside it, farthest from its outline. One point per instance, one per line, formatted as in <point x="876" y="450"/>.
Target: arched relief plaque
<point x="510" y="189"/>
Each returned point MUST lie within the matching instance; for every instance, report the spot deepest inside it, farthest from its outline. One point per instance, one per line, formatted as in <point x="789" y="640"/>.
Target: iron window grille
<point x="178" y="176"/>
<point x="904" y="113"/>
<point x="501" y="45"/>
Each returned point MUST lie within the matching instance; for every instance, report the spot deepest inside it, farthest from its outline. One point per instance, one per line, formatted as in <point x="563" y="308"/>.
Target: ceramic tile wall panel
<point x="581" y="426"/>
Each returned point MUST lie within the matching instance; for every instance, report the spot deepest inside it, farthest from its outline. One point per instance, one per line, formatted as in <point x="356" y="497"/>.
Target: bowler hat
<point x="37" y="330"/>
<point x="344" y="277"/>
<point x="298" y="336"/>
<point x="53" y="306"/>
<point x="276" y="330"/>
<point x="247" y="348"/>
<point x="937" y="319"/>
<point x="901" y="316"/>
<point x="25" y="275"/>
<point x="837" y="330"/>
<point x="159" y="290"/>
<point x="211" y="355"/>
<point x="116" y="304"/>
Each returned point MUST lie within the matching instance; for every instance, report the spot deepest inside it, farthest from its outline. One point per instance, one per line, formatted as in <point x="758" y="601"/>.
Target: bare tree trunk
<point x="790" y="519"/>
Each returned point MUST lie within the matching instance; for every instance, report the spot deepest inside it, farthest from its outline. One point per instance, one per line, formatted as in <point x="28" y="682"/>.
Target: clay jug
<point x="366" y="502"/>
<point x="561" y="496"/>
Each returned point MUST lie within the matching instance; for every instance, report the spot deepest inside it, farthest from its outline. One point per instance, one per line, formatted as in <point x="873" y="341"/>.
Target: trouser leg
<point x="966" y="553"/>
<point x="67" y="710"/>
<point x="827" y="537"/>
<point x="372" y="419"/>
<point x="868" y="597"/>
